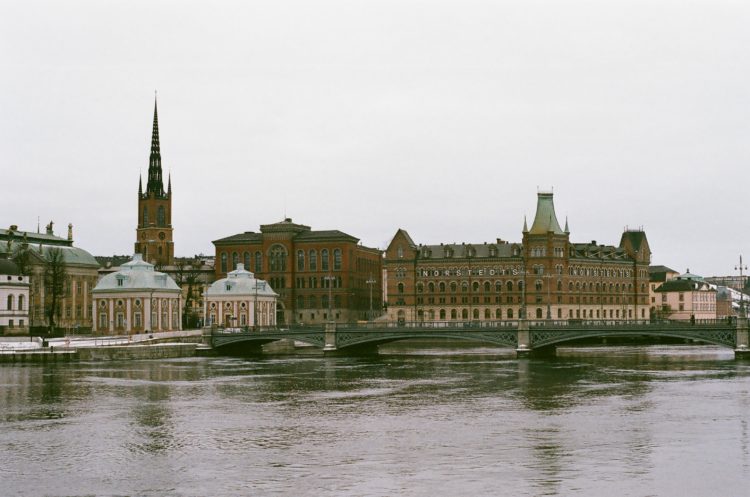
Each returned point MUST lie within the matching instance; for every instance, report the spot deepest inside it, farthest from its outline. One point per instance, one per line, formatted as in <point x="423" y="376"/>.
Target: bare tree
<point x="22" y="258"/>
<point x="187" y="277"/>
<point x="55" y="275"/>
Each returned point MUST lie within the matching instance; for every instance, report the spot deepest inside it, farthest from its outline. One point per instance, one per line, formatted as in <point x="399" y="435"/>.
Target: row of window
<point x="509" y="285"/>
<point x="325" y="282"/>
<point x="11" y="303"/>
<point x="539" y="313"/>
<point x="277" y="260"/>
<point x="311" y="302"/>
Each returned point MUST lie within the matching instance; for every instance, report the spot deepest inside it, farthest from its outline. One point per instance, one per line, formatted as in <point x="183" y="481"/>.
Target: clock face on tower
<point x="161" y="235"/>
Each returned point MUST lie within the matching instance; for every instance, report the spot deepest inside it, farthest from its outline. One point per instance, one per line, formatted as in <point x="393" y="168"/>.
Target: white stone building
<point x="136" y="299"/>
<point x="240" y="300"/>
<point x="14" y="299"/>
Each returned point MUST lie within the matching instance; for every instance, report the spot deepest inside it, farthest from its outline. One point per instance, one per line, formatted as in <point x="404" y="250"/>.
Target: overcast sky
<point x="439" y="117"/>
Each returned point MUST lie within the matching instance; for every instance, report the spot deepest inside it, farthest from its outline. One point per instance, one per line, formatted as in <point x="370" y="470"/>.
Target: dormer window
<point x="448" y="252"/>
<point x="493" y="251"/>
<point x="400" y="252"/>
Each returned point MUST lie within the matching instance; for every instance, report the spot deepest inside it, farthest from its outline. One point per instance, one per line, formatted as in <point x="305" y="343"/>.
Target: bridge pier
<point x="742" y="345"/>
<point x="523" y="351"/>
<point x="330" y="337"/>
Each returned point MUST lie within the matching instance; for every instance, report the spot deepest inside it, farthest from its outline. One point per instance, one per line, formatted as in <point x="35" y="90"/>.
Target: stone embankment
<point x="151" y="346"/>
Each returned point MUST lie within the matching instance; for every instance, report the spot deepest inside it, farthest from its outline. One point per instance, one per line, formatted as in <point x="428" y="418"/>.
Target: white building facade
<point x="136" y="299"/>
<point x="240" y="300"/>
<point x="14" y="299"/>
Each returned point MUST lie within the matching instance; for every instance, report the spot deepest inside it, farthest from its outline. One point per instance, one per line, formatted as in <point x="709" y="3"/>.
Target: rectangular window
<point x="137" y="320"/>
<point x="102" y="321"/>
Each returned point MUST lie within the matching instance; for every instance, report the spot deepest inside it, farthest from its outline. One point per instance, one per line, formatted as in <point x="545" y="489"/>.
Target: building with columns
<point x="545" y="276"/>
<point x="136" y="299"/>
<point x="14" y="299"/>
<point x="240" y="300"/>
<point x="31" y="250"/>
<point x="154" y="231"/>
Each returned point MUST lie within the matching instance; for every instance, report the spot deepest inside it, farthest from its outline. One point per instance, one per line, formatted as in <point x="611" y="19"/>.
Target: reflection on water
<point x="419" y="422"/>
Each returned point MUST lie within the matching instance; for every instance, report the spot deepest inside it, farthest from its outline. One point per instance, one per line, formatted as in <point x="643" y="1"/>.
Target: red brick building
<point x="546" y="276"/>
<point x="319" y="275"/>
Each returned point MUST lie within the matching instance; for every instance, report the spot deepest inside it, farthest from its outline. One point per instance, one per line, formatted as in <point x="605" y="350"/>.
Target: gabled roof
<point x="406" y="236"/>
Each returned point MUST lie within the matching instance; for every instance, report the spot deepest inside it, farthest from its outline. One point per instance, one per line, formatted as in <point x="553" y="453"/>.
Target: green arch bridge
<point x="527" y="337"/>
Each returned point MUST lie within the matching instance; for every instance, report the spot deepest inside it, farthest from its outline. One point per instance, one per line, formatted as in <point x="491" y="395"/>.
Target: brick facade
<point x="319" y="275"/>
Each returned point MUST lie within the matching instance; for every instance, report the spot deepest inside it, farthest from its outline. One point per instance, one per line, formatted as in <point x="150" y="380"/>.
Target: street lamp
<point x="741" y="268"/>
<point x="370" y="282"/>
<point x="330" y="279"/>
<point x="548" y="277"/>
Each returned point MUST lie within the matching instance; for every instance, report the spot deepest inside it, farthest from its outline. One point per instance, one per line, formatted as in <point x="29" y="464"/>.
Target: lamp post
<point x="741" y="267"/>
<point x="370" y="282"/>
<point x="548" y="277"/>
<point x="330" y="279"/>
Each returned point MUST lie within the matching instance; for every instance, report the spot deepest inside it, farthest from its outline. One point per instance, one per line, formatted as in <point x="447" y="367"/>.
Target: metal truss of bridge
<point x="525" y="336"/>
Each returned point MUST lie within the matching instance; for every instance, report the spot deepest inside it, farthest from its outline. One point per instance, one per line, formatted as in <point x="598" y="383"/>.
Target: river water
<point x="414" y="421"/>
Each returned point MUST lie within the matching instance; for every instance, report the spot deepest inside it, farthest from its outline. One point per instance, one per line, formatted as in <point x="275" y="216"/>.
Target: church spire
<point x="140" y="186"/>
<point x="169" y="185"/>
<point x="155" y="184"/>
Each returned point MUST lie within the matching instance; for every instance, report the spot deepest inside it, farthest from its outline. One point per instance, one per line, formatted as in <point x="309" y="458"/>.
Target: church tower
<point x="154" y="232"/>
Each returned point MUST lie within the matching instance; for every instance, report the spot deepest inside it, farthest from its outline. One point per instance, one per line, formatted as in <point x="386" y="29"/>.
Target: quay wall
<point x="106" y="353"/>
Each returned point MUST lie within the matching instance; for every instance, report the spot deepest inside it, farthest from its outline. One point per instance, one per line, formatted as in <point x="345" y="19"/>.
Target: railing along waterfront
<point x="543" y="323"/>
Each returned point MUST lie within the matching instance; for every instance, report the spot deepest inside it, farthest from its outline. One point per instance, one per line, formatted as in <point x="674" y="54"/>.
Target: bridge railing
<point x="541" y="323"/>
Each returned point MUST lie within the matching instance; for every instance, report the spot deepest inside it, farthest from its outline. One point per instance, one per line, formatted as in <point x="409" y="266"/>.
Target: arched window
<point x="223" y="262"/>
<point x="420" y="287"/>
<point x="431" y="287"/>
<point x="475" y="286"/>
<point x="498" y="314"/>
<point x="538" y="285"/>
<point x="486" y="314"/>
<point x="464" y="313"/>
<point x="10" y="302"/>
<point x="324" y="301"/>
<point x="498" y="286"/>
<point x="20" y="302"/>
<point x="300" y="260"/>
<point x="145" y="215"/>
<point x="442" y="314"/>
<point x="559" y="286"/>
<point x="453" y="286"/>
<point x="539" y="313"/>
<point x="235" y="260"/>
<point x="160" y="218"/>
<point x="246" y="260"/>
<point x="442" y="287"/>
<point x="277" y="258"/>
<point x="487" y="286"/>
<point x="258" y="262"/>
<point x="510" y="313"/>
<point x="324" y="259"/>
<point x="475" y="314"/>
<point x="313" y="260"/>
<point x="510" y="286"/>
<point x="453" y="314"/>
<point x="337" y="259"/>
<point x="400" y="288"/>
<point x="464" y="286"/>
<point x="570" y="286"/>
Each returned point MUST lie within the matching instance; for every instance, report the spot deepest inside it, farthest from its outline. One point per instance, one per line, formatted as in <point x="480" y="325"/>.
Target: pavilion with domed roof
<point x="240" y="300"/>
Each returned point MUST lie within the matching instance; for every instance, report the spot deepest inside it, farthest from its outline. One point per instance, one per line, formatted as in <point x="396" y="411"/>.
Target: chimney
<point x="70" y="232"/>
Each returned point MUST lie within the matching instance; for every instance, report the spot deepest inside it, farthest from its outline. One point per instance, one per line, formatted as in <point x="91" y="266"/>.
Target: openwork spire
<point x="155" y="184"/>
